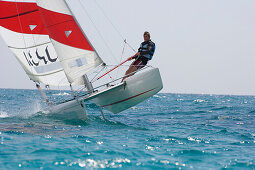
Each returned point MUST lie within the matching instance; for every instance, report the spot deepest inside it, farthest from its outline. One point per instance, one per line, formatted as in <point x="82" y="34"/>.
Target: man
<point x="145" y="53"/>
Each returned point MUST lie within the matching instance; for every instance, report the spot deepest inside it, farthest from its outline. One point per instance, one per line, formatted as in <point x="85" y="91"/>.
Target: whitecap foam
<point x="199" y="101"/>
<point x="3" y="114"/>
<point x="149" y="147"/>
<point x="191" y="139"/>
<point x="164" y="162"/>
<point x="156" y="96"/>
<point x="91" y="163"/>
<point x="100" y="142"/>
<point x="61" y="94"/>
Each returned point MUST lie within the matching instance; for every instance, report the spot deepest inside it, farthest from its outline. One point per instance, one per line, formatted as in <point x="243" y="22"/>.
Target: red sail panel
<point x="21" y="17"/>
<point x="11" y="9"/>
<point x="59" y="24"/>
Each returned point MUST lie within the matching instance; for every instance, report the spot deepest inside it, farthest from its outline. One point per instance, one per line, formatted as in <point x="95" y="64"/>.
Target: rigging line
<point x="78" y="91"/>
<point x="122" y="54"/>
<point x="63" y="80"/>
<point x="93" y="79"/>
<point x="117" y="65"/>
<point x="109" y="20"/>
<point x="123" y="51"/>
<point x="84" y="9"/>
<point x="22" y="30"/>
<point x="33" y="36"/>
<point x="109" y="74"/>
<point x="130" y="47"/>
<point x="104" y="13"/>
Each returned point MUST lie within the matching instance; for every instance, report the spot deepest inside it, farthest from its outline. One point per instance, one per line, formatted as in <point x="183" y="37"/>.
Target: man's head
<point x="146" y="36"/>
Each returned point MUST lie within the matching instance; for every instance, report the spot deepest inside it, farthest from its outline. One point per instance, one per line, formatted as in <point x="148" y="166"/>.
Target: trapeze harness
<point x="147" y="49"/>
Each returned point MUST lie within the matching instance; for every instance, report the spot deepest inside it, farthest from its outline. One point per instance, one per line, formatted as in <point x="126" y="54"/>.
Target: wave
<point x="253" y="111"/>
<point x="195" y="152"/>
<point x="222" y="108"/>
<point x="236" y="164"/>
<point x="98" y="120"/>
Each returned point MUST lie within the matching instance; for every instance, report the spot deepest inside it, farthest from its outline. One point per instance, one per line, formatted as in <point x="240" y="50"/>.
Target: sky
<point x="202" y="46"/>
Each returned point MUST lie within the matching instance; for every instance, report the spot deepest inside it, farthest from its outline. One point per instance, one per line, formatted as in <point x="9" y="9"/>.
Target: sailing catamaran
<point x="53" y="50"/>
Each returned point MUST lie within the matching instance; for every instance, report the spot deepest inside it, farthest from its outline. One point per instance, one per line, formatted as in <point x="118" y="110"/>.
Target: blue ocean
<point x="168" y="131"/>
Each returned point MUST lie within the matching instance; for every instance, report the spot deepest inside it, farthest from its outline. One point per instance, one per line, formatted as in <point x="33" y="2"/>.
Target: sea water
<point x="167" y="131"/>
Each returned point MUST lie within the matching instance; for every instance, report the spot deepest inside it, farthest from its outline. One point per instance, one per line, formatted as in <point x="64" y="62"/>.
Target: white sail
<point x="74" y="50"/>
<point x="24" y="32"/>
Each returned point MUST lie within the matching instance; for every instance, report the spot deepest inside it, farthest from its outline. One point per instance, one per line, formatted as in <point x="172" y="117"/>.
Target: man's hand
<point x="136" y="55"/>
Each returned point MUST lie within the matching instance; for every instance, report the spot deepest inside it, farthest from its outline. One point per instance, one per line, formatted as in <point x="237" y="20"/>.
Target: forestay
<point x="22" y="28"/>
<point x="74" y="50"/>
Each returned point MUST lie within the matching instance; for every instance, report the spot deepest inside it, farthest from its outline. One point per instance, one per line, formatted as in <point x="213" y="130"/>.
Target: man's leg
<point x="131" y="71"/>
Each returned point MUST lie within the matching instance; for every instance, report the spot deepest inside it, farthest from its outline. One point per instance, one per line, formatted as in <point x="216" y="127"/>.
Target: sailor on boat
<point x="145" y="53"/>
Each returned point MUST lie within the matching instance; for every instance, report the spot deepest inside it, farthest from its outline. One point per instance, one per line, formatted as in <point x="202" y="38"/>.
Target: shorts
<point x="139" y="63"/>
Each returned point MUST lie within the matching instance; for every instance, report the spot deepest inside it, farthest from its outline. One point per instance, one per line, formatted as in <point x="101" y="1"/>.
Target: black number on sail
<point x="40" y="57"/>
<point x="31" y="62"/>
<point x="36" y="64"/>
<point x="28" y="61"/>
<point x="48" y="55"/>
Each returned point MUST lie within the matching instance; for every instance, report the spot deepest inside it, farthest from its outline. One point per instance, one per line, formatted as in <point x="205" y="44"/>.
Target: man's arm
<point x="136" y="55"/>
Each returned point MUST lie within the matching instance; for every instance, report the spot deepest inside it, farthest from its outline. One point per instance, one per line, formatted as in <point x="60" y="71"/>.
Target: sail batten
<point x="30" y="46"/>
<point x="20" y="14"/>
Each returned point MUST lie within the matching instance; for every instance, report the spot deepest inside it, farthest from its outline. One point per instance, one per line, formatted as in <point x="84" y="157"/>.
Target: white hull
<point x="71" y="110"/>
<point x="136" y="89"/>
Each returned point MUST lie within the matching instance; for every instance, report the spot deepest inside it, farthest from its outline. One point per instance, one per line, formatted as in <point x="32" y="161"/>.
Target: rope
<point x="92" y="80"/>
<point x="108" y="74"/>
<point x="114" y="27"/>
<point x="122" y="54"/>
<point x="22" y="31"/>
<point x="115" y="67"/>
<point x="97" y="30"/>
<point x="104" y="13"/>
<point x="123" y="50"/>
